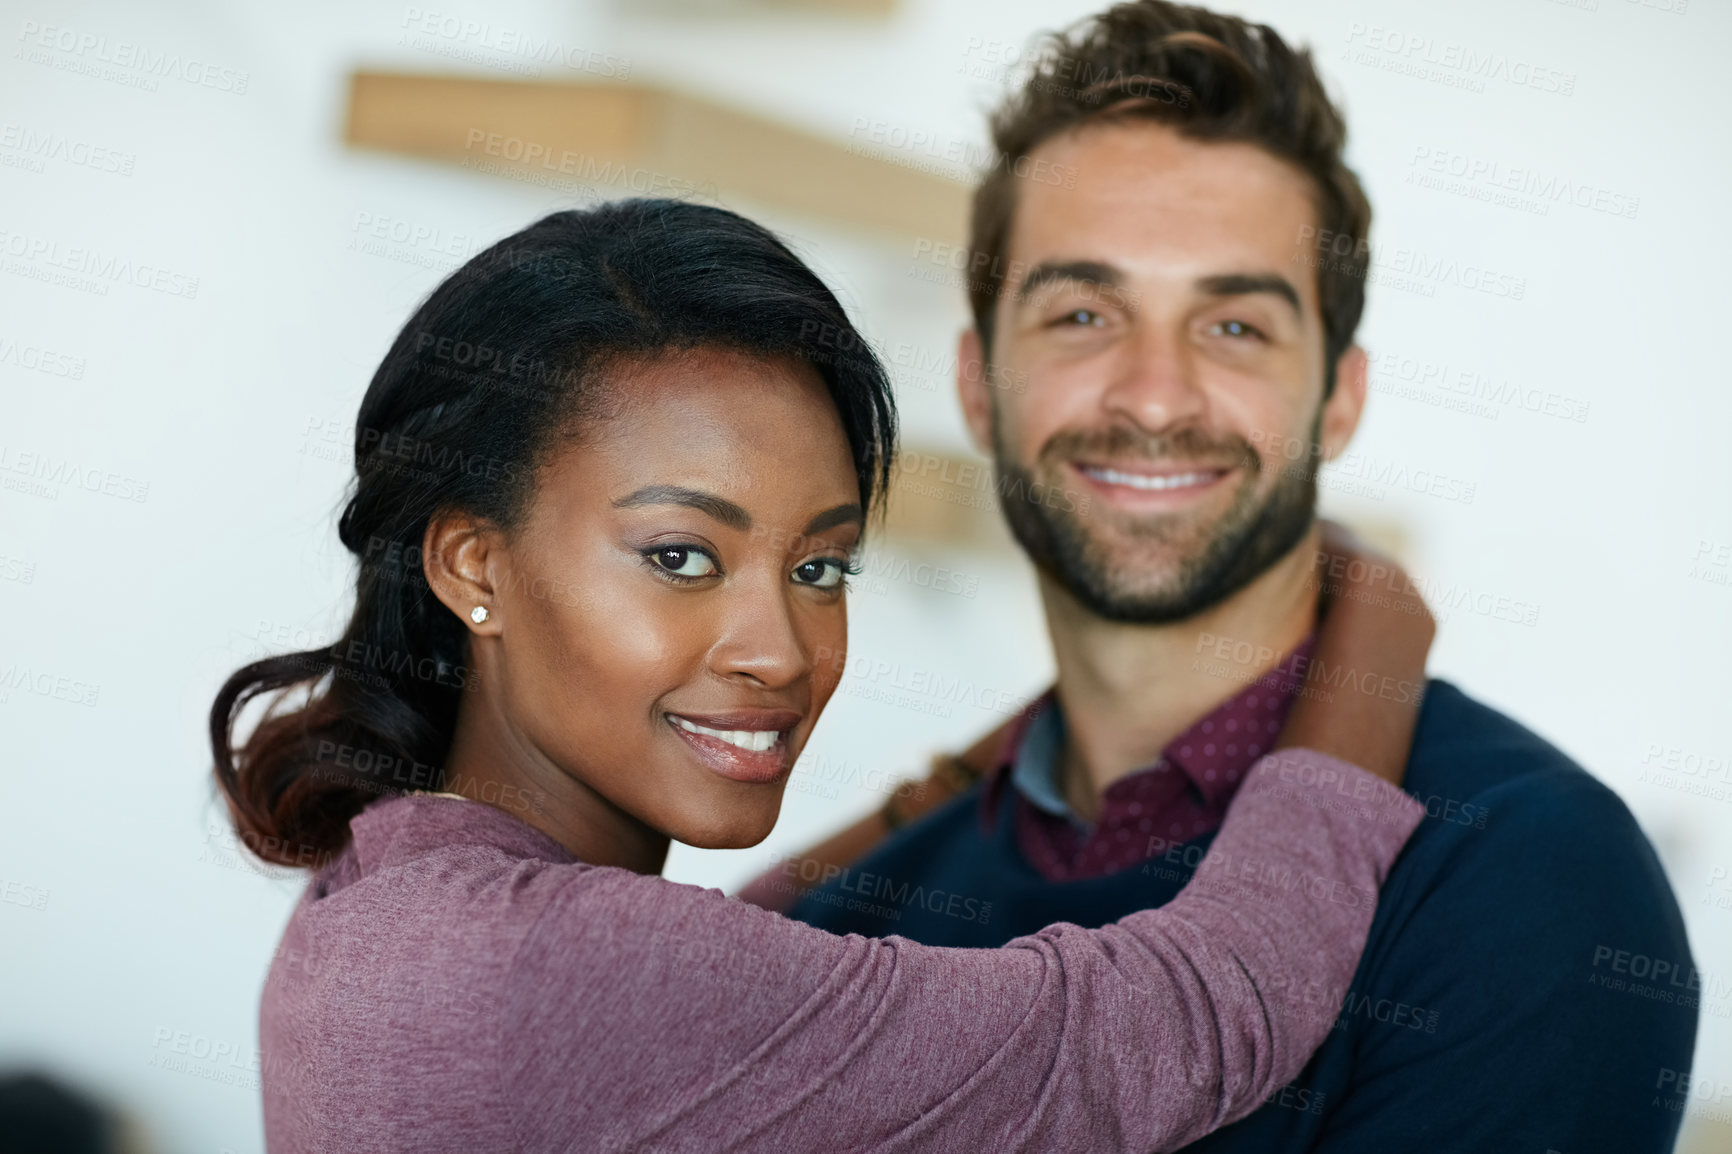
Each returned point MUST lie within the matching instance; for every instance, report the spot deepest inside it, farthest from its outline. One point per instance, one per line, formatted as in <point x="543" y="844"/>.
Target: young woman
<point x="610" y="479"/>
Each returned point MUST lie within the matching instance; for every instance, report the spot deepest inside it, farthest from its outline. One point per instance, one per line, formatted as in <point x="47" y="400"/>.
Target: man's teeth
<point x="1144" y="481"/>
<point x="756" y="740"/>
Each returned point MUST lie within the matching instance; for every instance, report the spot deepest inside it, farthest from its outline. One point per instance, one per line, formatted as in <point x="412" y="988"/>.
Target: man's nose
<point x="1154" y="382"/>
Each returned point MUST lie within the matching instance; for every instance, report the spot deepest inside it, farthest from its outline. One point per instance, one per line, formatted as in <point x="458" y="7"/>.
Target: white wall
<point x="220" y="402"/>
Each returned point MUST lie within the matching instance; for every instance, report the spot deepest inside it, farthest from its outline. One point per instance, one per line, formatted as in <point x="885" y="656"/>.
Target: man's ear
<point x="460" y="555"/>
<point x="1342" y="410"/>
<point x="974" y="390"/>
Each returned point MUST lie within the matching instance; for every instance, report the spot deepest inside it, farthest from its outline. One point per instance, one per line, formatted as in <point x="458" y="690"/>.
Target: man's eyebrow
<point x="1244" y="284"/>
<point x="830" y="518"/>
<point x="720" y="508"/>
<point x="1091" y="272"/>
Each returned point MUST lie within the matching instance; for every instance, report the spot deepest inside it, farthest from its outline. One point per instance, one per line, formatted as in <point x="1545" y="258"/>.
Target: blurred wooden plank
<point x="637" y="139"/>
<point x="940" y="498"/>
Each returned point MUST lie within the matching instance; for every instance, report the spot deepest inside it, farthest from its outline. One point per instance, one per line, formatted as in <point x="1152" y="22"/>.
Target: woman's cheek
<point x="829" y="649"/>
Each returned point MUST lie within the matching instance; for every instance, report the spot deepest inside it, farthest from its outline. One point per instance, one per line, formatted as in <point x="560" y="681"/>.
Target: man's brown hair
<point x="1210" y="77"/>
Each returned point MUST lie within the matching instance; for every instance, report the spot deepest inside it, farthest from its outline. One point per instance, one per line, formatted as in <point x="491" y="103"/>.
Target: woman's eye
<point x="681" y="561"/>
<point x="820" y="573"/>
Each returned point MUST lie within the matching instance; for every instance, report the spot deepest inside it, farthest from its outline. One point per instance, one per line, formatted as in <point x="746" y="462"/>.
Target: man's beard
<point x="1223" y="557"/>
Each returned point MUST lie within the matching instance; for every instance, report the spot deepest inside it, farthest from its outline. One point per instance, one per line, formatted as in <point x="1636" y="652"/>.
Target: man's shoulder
<point x="1510" y="814"/>
<point x="1467" y="753"/>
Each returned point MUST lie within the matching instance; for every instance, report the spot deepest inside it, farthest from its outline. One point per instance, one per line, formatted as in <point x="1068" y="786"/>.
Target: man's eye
<point x="682" y="561"/>
<point x="1236" y="329"/>
<point x="1086" y="317"/>
<point x="820" y="573"/>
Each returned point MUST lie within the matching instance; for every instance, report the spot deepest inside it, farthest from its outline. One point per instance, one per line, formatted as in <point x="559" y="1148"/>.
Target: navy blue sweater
<point x="1527" y="984"/>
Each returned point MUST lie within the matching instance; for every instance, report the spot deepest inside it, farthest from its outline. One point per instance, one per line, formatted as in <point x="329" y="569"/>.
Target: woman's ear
<point x="460" y="555"/>
<point x="1342" y="410"/>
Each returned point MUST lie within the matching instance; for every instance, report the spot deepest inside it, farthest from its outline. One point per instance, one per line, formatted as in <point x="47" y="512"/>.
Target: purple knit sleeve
<point x="644" y="1014"/>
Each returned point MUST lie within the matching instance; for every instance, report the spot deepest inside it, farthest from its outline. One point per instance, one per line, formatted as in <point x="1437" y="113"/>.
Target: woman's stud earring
<point x="478" y="614"/>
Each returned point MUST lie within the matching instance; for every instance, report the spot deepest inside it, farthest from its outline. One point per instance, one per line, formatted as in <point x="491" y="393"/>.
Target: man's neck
<point x="1128" y="690"/>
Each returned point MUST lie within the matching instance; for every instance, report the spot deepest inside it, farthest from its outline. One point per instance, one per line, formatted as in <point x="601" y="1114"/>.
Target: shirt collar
<point x="1029" y="760"/>
<point x="999" y="775"/>
<point x="396" y="830"/>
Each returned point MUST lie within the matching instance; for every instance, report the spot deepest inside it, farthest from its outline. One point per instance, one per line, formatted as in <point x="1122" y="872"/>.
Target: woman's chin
<point x="737" y="830"/>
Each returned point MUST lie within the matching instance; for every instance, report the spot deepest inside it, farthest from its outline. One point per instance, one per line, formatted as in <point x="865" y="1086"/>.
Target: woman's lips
<point x="746" y="745"/>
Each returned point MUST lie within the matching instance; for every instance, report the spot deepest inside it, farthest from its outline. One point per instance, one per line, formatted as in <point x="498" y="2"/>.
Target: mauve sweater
<point x="456" y="981"/>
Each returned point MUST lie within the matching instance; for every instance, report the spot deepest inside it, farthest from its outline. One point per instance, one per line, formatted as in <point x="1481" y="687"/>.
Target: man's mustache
<point x="1189" y="446"/>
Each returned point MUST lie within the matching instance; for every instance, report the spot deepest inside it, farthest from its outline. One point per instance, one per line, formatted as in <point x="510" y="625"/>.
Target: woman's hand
<point x="1367" y="675"/>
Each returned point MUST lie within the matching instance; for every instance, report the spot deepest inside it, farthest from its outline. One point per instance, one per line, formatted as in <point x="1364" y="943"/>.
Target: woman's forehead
<point x="758" y="431"/>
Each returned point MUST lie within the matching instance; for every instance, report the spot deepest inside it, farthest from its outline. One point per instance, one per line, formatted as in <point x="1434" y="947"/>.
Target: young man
<point x="1180" y="333"/>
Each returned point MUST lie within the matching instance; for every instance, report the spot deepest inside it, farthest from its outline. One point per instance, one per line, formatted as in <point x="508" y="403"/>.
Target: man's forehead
<point x="1141" y="195"/>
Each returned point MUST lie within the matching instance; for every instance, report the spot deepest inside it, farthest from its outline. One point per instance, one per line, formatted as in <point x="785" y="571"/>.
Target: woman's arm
<point x="1366" y="678"/>
<point x="644" y="1014"/>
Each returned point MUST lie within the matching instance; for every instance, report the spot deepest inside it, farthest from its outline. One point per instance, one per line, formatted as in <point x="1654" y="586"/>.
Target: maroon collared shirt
<point x="1182" y="796"/>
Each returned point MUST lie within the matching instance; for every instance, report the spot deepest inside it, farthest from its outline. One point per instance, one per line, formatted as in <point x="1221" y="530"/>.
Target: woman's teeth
<point x="1144" y="481"/>
<point x="756" y="740"/>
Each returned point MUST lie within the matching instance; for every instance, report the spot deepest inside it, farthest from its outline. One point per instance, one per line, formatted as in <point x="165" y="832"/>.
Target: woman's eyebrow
<point x="719" y="508"/>
<point x="830" y="518"/>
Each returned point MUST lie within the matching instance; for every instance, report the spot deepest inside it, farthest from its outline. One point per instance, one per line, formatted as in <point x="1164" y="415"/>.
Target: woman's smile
<point x="749" y="745"/>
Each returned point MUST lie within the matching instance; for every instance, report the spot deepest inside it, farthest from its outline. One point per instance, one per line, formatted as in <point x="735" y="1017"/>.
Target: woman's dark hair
<point x="505" y="357"/>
